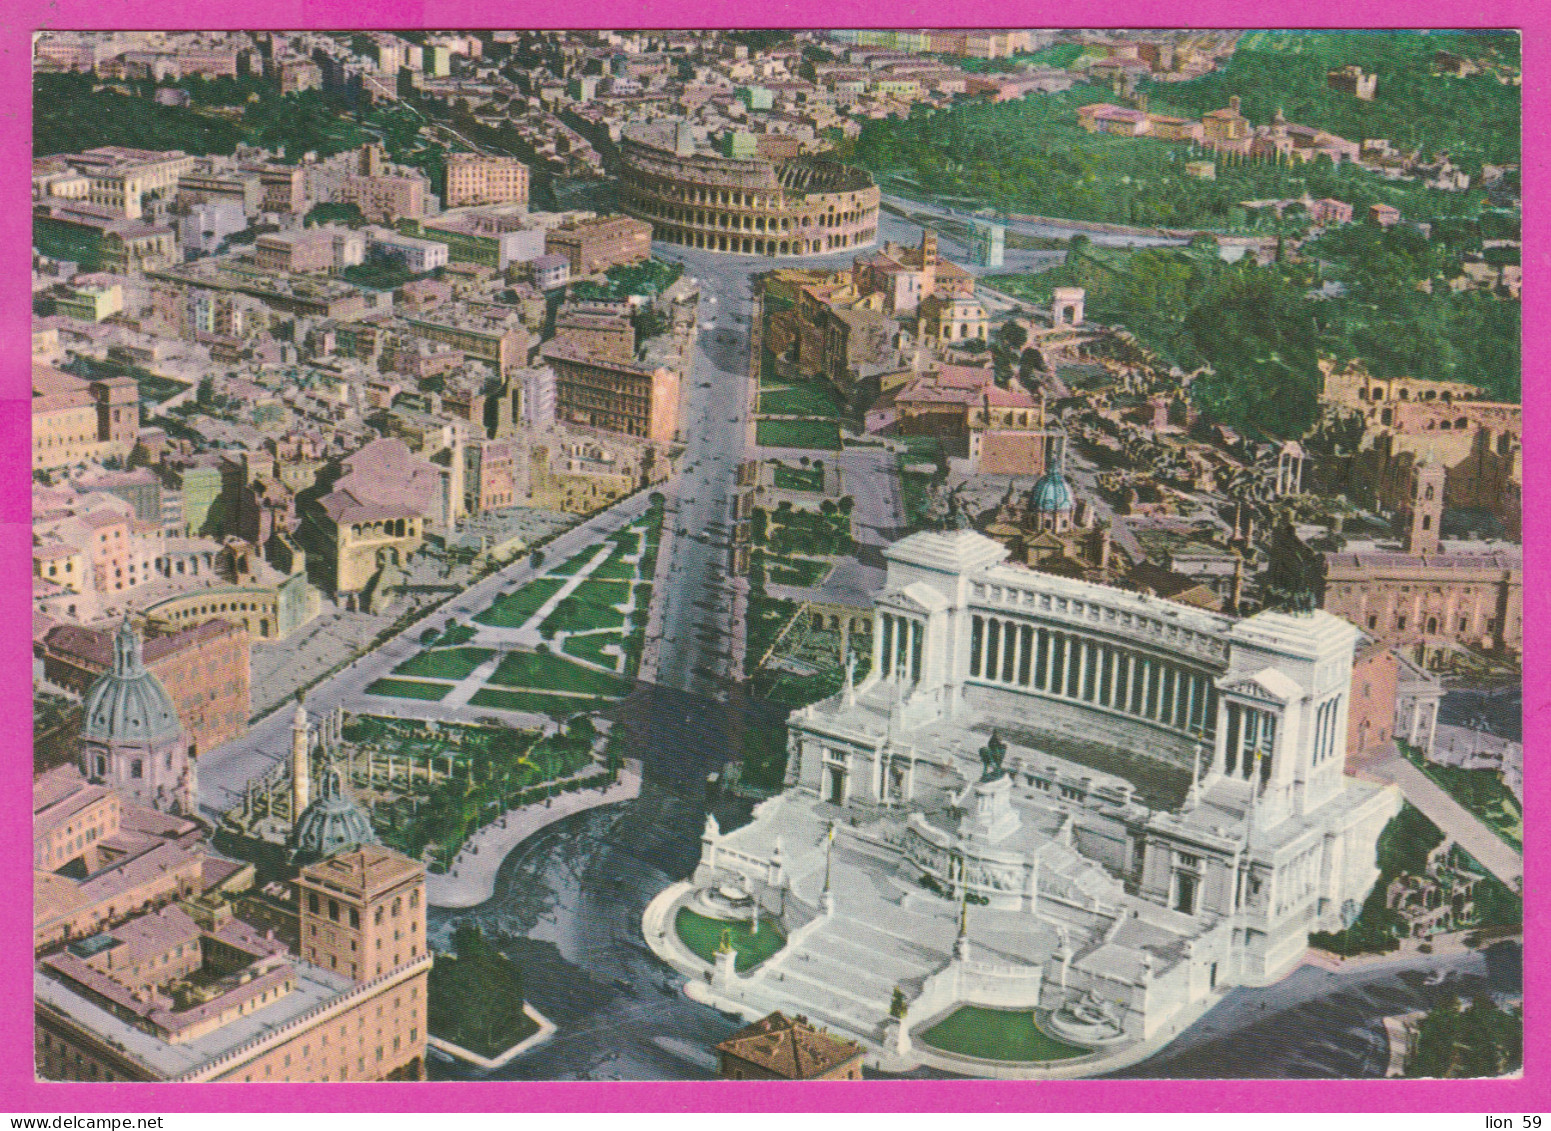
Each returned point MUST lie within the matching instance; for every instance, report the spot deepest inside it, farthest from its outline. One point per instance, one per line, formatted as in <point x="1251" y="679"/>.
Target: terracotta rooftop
<point x="94" y="647"/>
<point x="790" y="1047"/>
<point x="370" y="868"/>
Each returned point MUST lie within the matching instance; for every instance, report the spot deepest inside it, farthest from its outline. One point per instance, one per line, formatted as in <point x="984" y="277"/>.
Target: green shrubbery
<point x="475" y="995"/>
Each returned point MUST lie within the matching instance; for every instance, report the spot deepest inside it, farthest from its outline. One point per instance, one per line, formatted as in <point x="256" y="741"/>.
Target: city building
<point x="132" y="737"/>
<point x="1411" y="421"/>
<point x="1097" y="803"/>
<point x="952" y="320"/>
<point x="474" y="178"/>
<point x="907" y="276"/>
<point x="98" y="858"/>
<point x="100" y="239"/>
<point x="1427" y="605"/>
<point x="1371" y="719"/>
<point x="787" y="1048"/>
<point x="590" y="246"/>
<point x="598" y="390"/>
<point x="489" y="479"/>
<point x="490" y="237"/>
<point x="551" y="272"/>
<point x="362" y="910"/>
<point x="76" y="421"/>
<point x="415" y="255"/>
<point x="124" y="180"/>
<point x="307" y="249"/>
<point x="87" y="302"/>
<point x="490" y="332"/>
<point x="599" y="328"/>
<point x="204" y="668"/>
<point x="192" y="993"/>
<point x="377" y="513"/>
<point x="694" y="197"/>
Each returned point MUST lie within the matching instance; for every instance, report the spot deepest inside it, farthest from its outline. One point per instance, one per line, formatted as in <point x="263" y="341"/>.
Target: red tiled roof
<point x="790" y="1047"/>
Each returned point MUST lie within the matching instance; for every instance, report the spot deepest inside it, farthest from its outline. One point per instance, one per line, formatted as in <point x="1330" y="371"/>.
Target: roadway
<point x="1328" y="1024"/>
<point x="701" y="647"/>
<point x="1493" y="853"/>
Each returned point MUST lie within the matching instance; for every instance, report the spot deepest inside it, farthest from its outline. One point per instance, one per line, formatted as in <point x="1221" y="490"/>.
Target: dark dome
<point x="330" y="824"/>
<point x="128" y="704"/>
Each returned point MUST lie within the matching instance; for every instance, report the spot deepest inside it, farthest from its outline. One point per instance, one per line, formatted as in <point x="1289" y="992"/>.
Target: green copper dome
<point x="1051" y="494"/>
<point x="330" y="824"/>
<point x="128" y="704"/>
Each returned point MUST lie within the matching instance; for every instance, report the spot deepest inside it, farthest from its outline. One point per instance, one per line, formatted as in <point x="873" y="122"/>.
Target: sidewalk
<point x="1490" y="850"/>
<point x="472" y="879"/>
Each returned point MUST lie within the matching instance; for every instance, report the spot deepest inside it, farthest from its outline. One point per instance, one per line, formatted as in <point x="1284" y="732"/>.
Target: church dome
<point x="330" y="824"/>
<point x="1051" y="494"/>
<point x="128" y="704"/>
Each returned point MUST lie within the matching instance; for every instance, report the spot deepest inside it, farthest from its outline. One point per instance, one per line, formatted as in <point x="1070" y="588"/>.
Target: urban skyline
<point x="776" y="554"/>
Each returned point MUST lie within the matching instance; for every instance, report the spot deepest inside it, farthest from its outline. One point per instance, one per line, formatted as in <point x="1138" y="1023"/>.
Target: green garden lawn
<point x="799" y="478"/>
<point x="628" y="540"/>
<point x="512" y="610"/>
<point x="813" y="399"/>
<point x="409" y="689"/>
<point x="574" y="565"/>
<point x="614" y="568"/>
<point x="1483" y="793"/>
<point x="823" y="434"/>
<point x="703" y="935"/>
<point x="445" y="663"/>
<point x="456" y="634"/>
<point x="590" y="647"/>
<point x="997" y="1034"/>
<point x="535" y="702"/>
<point x="545" y="672"/>
<point x="801" y="572"/>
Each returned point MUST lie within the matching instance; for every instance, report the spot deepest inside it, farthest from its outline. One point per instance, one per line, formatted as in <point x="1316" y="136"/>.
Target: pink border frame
<point x="19" y="1093"/>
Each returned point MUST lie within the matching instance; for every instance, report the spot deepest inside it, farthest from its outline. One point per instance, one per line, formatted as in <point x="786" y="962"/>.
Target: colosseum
<point x="694" y="197"/>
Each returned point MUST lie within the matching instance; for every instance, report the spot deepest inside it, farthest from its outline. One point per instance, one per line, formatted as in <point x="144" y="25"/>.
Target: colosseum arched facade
<point x="745" y="206"/>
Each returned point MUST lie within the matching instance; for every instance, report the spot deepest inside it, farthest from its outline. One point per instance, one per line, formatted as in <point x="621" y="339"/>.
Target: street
<point x="572" y="898"/>
<point x="1323" y="1024"/>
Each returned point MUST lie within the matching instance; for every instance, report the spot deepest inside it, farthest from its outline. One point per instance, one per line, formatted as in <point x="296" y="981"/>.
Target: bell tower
<point x="1424" y="506"/>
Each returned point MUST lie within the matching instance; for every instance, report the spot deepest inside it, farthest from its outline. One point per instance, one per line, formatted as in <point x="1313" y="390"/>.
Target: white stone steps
<point x="825" y="1003"/>
<point x="839" y="972"/>
<point x="851" y="960"/>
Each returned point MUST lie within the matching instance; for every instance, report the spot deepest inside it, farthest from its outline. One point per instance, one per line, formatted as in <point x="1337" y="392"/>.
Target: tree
<point x="1014" y="335"/>
<point x="476" y="998"/>
<point x="1459" y="1040"/>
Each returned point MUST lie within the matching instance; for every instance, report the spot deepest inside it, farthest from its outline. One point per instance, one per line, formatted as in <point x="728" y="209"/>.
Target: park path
<point x="472" y="878"/>
<point x="466" y="688"/>
<point x="527" y="632"/>
<point x="1490" y="850"/>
